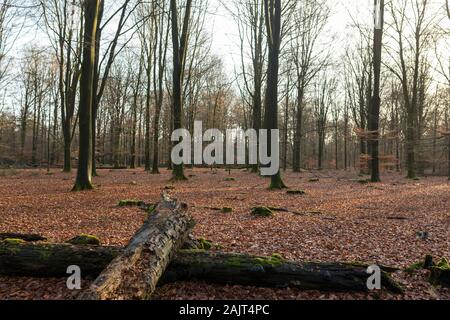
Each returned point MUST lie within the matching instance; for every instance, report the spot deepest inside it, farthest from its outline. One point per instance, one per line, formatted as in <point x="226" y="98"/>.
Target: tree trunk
<point x="52" y="260"/>
<point x="84" y="175"/>
<point x="135" y="273"/>
<point x="273" y="24"/>
<point x="180" y="47"/>
<point x="374" y="119"/>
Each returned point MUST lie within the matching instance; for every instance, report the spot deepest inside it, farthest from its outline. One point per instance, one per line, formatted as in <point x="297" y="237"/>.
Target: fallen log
<point x="134" y="273"/>
<point x="52" y="260"/>
<point x="222" y="268"/>
<point x="21" y="236"/>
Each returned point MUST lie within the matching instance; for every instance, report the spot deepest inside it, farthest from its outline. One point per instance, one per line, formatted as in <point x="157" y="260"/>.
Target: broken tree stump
<point x="134" y="273"/>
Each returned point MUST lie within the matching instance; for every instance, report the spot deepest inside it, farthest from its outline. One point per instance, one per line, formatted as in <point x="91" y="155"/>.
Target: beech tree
<point x="374" y="121"/>
<point x="272" y="10"/>
<point x="180" y="47"/>
<point x="91" y="19"/>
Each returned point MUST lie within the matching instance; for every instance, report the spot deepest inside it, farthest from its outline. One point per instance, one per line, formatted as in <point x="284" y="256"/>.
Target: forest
<point x="224" y="149"/>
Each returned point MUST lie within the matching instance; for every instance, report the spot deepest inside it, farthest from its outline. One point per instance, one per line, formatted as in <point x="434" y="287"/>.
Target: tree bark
<point x="135" y="273"/>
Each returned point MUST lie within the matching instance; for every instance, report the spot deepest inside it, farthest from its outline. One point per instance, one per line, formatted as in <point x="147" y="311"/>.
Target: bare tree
<point x="180" y="45"/>
<point x="84" y="175"/>
<point x="310" y="19"/>
<point x="374" y="119"/>
<point x="272" y="10"/>
<point x="410" y="82"/>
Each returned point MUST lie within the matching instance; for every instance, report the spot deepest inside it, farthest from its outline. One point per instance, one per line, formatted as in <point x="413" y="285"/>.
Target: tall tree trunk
<point x="374" y="119"/>
<point x="84" y="175"/>
<point x="180" y="47"/>
<point x="298" y="130"/>
<point x="272" y="10"/>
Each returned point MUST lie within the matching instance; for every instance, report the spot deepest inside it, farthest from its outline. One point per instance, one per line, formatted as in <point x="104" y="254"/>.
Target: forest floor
<point x="339" y="219"/>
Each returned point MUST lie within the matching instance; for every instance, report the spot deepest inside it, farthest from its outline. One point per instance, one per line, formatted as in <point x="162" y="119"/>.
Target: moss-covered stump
<point x="296" y="192"/>
<point x="440" y="273"/>
<point x="263" y="212"/>
<point x="85" y="240"/>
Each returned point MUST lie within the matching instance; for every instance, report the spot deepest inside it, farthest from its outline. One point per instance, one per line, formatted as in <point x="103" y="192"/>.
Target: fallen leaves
<point x="338" y="220"/>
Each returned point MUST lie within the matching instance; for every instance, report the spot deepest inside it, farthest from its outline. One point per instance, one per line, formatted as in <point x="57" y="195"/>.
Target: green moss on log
<point x="85" y="239"/>
<point x="131" y="203"/>
<point x="14" y="241"/>
<point x="262" y="212"/>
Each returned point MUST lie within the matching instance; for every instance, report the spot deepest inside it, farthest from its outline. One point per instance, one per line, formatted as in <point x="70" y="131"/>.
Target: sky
<point x="224" y="30"/>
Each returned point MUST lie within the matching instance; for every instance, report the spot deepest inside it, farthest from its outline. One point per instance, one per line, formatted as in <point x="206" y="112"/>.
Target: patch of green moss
<point x="204" y="244"/>
<point x="314" y="180"/>
<point x="227" y="210"/>
<point x="14" y="241"/>
<point x="415" y="267"/>
<point x="230" y="179"/>
<point x="236" y="262"/>
<point x="131" y="203"/>
<point x="272" y="261"/>
<point x="296" y="192"/>
<point x="192" y="251"/>
<point x="262" y="212"/>
<point x="151" y="208"/>
<point x="85" y="239"/>
<point x="443" y="264"/>
<point x="259" y="262"/>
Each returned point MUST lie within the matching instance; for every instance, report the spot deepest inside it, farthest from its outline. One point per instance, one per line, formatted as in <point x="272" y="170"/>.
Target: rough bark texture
<point x="52" y="260"/>
<point x="135" y="273"/>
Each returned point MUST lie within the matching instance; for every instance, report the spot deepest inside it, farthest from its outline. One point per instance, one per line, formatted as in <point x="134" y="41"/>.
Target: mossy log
<point x="21" y="236"/>
<point x="134" y="274"/>
<point x="52" y="260"/>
